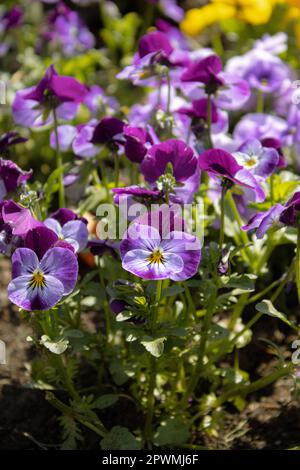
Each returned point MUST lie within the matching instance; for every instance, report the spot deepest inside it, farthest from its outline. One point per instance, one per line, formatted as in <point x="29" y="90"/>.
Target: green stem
<point x="105" y="301"/>
<point x="117" y="170"/>
<point x="98" y="428"/>
<point x="260" y="105"/>
<point x="244" y="390"/>
<point x="59" y="164"/>
<point x="204" y="336"/>
<point x="222" y="220"/>
<point x="238" y="219"/>
<point x="272" y="189"/>
<point x="153" y="368"/>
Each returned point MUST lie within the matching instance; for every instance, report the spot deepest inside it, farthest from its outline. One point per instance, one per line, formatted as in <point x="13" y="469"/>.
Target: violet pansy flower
<point x="219" y="163"/>
<point x="291" y="211"/>
<point x="74" y="232"/>
<point x="41" y="284"/>
<point x="18" y="218"/>
<point x="205" y="77"/>
<point x="9" y="139"/>
<point x="137" y="141"/>
<point x="153" y="252"/>
<point x="263" y="221"/>
<point x="184" y="166"/>
<point x="66" y="28"/>
<point x="109" y="131"/>
<point x="11" y="177"/>
<point x="32" y="106"/>
<point x="259" y="160"/>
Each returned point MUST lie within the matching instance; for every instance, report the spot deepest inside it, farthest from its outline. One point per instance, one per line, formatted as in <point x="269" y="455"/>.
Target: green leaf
<point x="173" y="290"/>
<point x="56" y="347"/>
<point x="241" y="283"/>
<point x="105" y="401"/>
<point x="154" y="346"/>
<point x="173" y="431"/>
<point x="268" y="308"/>
<point x="119" y="438"/>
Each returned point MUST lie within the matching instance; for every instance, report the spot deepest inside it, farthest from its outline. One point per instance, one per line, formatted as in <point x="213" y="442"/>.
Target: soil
<point x="271" y="419"/>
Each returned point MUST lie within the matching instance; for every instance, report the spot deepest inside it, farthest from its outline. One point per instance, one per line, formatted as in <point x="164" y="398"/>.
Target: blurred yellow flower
<point x="251" y="11"/>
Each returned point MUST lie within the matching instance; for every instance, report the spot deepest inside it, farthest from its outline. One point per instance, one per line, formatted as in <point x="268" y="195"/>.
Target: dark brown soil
<point x="271" y="420"/>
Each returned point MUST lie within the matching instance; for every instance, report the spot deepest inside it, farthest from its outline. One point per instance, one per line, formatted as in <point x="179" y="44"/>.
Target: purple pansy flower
<point x="271" y="142"/>
<point x="97" y="101"/>
<point x="151" y="254"/>
<point x="230" y="91"/>
<point x="11" y="19"/>
<point x="184" y="164"/>
<point x="259" y="126"/>
<point x="33" y="106"/>
<point x="66" y="134"/>
<point x="261" y="69"/>
<point x="137" y="141"/>
<point x="154" y="48"/>
<point x="41" y="284"/>
<point x="18" y="218"/>
<point x="290" y="213"/>
<point x="9" y="139"/>
<point x="66" y="28"/>
<point x="108" y="131"/>
<point x="259" y="160"/>
<point x="100" y="247"/>
<point x="11" y="177"/>
<point x="74" y="232"/>
<point x="41" y="238"/>
<point x="170" y="8"/>
<point x="219" y="163"/>
<point x="82" y="144"/>
<point x="262" y="221"/>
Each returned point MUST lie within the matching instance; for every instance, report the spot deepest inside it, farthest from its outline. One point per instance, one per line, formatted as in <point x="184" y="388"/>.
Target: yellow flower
<point x="198" y="19"/>
<point x="251" y="11"/>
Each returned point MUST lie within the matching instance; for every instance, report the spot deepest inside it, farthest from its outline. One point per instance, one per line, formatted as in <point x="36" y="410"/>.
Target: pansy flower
<point x="263" y="221"/>
<point x="261" y="161"/>
<point x="154" y="49"/>
<point x="137" y="141"/>
<point x="32" y="106"/>
<point x="108" y="131"/>
<point x="39" y="284"/>
<point x="185" y="178"/>
<point x="9" y="139"/>
<point x="18" y="218"/>
<point x="66" y="29"/>
<point x="153" y="252"/>
<point x="221" y="164"/>
<point x="273" y="143"/>
<point x="205" y="77"/>
<point x="290" y="213"/>
<point x="72" y="231"/>
<point x="11" y="177"/>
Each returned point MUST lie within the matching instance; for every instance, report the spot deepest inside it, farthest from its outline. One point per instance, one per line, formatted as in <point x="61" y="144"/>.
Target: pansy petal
<point x="62" y="264"/>
<point x="77" y="231"/>
<point x="136" y="262"/>
<point x="28" y="298"/>
<point x="24" y="261"/>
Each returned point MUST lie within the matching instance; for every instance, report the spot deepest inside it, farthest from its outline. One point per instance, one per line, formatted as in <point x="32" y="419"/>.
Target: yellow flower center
<point x="156" y="256"/>
<point x="38" y="280"/>
<point x="251" y="162"/>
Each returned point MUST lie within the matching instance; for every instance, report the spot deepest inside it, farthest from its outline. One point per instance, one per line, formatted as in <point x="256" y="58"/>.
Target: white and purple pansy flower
<point x="151" y="256"/>
<point x="261" y="161"/>
<point x="41" y="284"/>
<point x="71" y="230"/>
